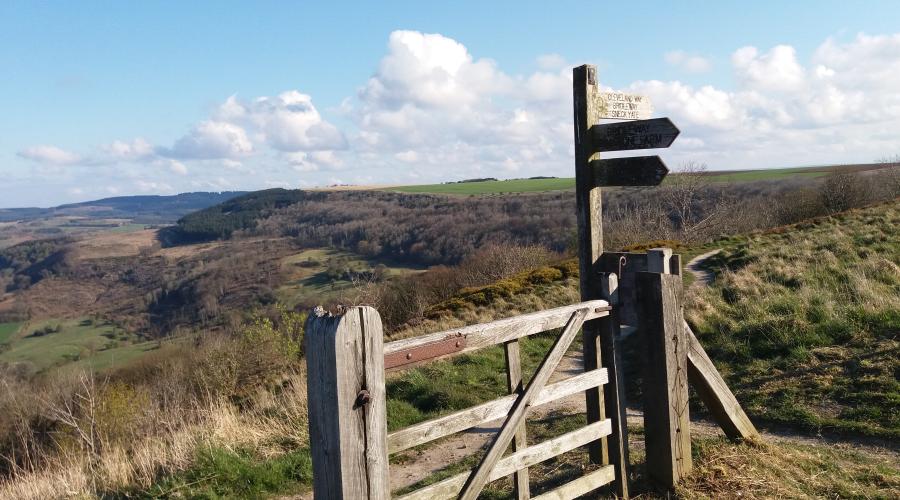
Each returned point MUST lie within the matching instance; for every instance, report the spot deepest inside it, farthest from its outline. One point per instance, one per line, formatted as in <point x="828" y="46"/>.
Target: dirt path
<point x="703" y="277"/>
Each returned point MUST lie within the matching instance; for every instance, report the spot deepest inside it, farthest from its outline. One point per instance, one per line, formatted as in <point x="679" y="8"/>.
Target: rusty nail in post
<point x="362" y="399"/>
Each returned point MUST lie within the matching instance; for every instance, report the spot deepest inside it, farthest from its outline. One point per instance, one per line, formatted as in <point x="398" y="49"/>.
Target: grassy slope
<point x="306" y="276"/>
<point x="78" y="340"/>
<point x="805" y="321"/>
<point x="7" y="330"/>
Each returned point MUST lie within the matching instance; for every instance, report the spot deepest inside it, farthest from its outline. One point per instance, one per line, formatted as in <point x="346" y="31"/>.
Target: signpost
<point x="600" y="337"/>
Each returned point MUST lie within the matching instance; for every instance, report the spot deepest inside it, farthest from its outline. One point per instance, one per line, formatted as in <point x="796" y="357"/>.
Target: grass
<point x="76" y="340"/>
<point x="721" y="469"/>
<point x="787" y="470"/>
<point x="442" y="387"/>
<point x="7" y="330"/>
<point x="223" y="473"/>
<point x="307" y="278"/>
<point x="804" y="321"/>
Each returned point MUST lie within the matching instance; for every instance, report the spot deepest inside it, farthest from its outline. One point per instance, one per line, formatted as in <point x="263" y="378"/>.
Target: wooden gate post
<point x="666" y="419"/>
<point x="347" y="410"/>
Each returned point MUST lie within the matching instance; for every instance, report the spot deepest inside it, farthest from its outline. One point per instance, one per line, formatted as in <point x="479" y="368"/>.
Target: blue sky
<point x="104" y="98"/>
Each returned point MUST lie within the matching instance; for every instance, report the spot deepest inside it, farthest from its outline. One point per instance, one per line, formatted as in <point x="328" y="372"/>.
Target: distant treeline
<point x="219" y="221"/>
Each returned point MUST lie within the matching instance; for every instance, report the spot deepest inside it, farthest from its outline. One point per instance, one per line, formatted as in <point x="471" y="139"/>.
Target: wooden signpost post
<point x="600" y="336"/>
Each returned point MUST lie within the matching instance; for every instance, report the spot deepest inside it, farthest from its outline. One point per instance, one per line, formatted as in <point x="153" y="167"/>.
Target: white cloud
<point x="409" y="156"/>
<point x="287" y="122"/>
<point x="687" y="62"/>
<point x="839" y="106"/>
<point x="50" y="155"/>
<point x="433" y="105"/>
<point x="210" y="140"/>
<point x="137" y="149"/>
<point x="776" y="70"/>
<point x="433" y="111"/>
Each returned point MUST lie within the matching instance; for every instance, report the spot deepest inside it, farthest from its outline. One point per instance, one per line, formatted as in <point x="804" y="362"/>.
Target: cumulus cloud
<point x="432" y="111"/>
<point x="835" y="107"/>
<point x="210" y="140"/>
<point x="433" y="104"/>
<point x="687" y="62"/>
<point x="775" y="70"/>
<point x="50" y="155"/>
<point x="286" y="122"/>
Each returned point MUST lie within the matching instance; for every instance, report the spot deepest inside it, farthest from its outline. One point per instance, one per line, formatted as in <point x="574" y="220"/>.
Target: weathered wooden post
<point x="591" y="137"/>
<point x="666" y="415"/>
<point x="588" y="111"/>
<point x="347" y="410"/>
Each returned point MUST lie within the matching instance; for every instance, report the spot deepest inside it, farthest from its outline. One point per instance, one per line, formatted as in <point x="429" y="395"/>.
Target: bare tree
<point x="888" y="177"/>
<point x="697" y="207"/>
<point x="843" y="191"/>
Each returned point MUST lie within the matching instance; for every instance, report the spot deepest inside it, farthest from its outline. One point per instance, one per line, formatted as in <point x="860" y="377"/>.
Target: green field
<point x="564" y="183"/>
<point x="77" y="340"/>
<point x="492" y="187"/>
<point x="7" y="330"/>
<point x="310" y="274"/>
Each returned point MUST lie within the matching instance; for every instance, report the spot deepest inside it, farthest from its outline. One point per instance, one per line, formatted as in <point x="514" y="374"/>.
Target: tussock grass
<point x="786" y="470"/>
<point x="805" y="321"/>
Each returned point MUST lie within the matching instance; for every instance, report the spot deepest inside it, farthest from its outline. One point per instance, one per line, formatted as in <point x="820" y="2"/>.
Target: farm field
<point x="42" y="346"/>
<point x="321" y="275"/>
<point x="564" y="183"/>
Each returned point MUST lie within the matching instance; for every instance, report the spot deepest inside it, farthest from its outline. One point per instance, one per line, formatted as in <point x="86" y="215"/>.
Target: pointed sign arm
<point x="640" y="134"/>
<point x="631" y="171"/>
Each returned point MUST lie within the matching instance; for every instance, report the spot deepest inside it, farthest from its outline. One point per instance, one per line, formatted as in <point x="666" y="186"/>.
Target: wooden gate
<point x="348" y="427"/>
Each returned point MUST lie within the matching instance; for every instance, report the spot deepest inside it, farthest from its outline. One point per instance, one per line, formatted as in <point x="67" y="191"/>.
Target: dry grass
<point x="783" y="470"/>
<point x="276" y="423"/>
